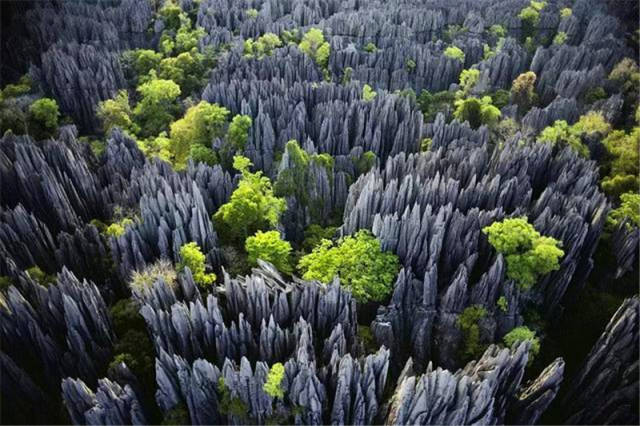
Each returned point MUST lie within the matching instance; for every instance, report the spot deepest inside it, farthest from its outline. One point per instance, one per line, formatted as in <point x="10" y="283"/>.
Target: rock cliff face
<point x="609" y="374"/>
<point x="430" y="210"/>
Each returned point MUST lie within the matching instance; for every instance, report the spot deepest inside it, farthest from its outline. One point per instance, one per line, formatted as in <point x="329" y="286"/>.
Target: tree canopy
<point x="529" y="255"/>
<point x="252" y="205"/>
<point x="269" y="246"/>
<point x="191" y="256"/>
<point x="359" y="262"/>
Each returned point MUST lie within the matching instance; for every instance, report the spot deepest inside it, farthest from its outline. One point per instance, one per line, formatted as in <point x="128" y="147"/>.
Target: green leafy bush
<point x="118" y="228"/>
<point x="366" y="161"/>
<point x="44" y="114"/>
<point x="629" y="209"/>
<point x="269" y="246"/>
<point x="477" y="111"/>
<point x="468" y="324"/>
<point x="521" y="334"/>
<point x="314" y="45"/>
<point x="565" y="13"/>
<point x="523" y="91"/>
<point x="594" y="94"/>
<point x="560" y="38"/>
<point x="468" y="79"/>
<point x="425" y="144"/>
<point x="561" y="133"/>
<point x="40" y="276"/>
<point x="502" y="304"/>
<point x="529" y="255"/>
<point x="252" y="205"/>
<point x="592" y="123"/>
<point x="157" y="105"/>
<point x="368" y="94"/>
<point x="117" y="112"/>
<point x="262" y="46"/>
<point x="314" y="234"/>
<point x="454" y="52"/>
<point x="623" y="166"/>
<point x="191" y="256"/>
<point x="430" y="104"/>
<point x="230" y="405"/>
<point x="251" y="13"/>
<point x="272" y="386"/>
<point x="498" y="31"/>
<point x="359" y="262"/>
<point x="238" y="132"/>
<point x="191" y="136"/>
<point x="160" y="269"/>
<point x="370" y="47"/>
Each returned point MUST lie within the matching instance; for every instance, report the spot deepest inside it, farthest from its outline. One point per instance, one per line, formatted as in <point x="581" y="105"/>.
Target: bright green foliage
<point x="560" y="38"/>
<point x="538" y="5"/>
<point x="252" y="206"/>
<point x="142" y="60"/>
<point x="370" y="47"/>
<point x="505" y="129"/>
<point x="629" y="209"/>
<point x="498" y="31"/>
<point x="44" y="114"/>
<point x="346" y="77"/>
<point x="157" y="105"/>
<point x="192" y="257"/>
<point x="425" y="144"/>
<point x="523" y="90"/>
<point x="626" y="76"/>
<point x="623" y="169"/>
<point x="561" y="132"/>
<point x="477" y="111"/>
<point x="251" y="13"/>
<point x="468" y="79"/>
<point x="594" y="94"/>
<point x="410" y="64"/>
<point x="117" y="112"/>
<point x="521" y="334"/>
<point x="368" y="93"/>
<point x="454" y="52"/>
<point x="314" y="45"/>
<point x="502" y="304"/>
<point x="529" y="255"/>
<point x="290" y="36"/>
<point x="269" y="247"/>
<point x="14" y="90"/>
<point x="430" y="104"/>
<point x="187" y="69"/>
<point x="262" y="46"/>
<point x="40" y="276"/>
<point x="468" y="324"/>
<point x="238" y="132"/>
<point x="272" y="386"/>
<point x="117" y="228"/>
<point x="359" y="262"/>
<point x="230" y="405"/>
<point x="565" y="13"/>
<point x="314" y="234"/>
<point x="592" y="123"/>
<point x="191" y="136"/>
<point x="160" y="269"/>
<point x="158" y="147"/>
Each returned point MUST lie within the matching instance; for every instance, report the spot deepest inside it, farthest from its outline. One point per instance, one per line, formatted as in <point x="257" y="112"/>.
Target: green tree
<point x="142" y="60"/>
<point x="529" y="18"/>
<point x="622" y="168"/>
<point x="238" y="132"/>
<point x="262" y="46"/>
<point x="251" y="13"/>
<point x="44" y="115"/>
<point x="157" y="105"/>
<point x="117" y="112"/>
<point x="497" y="31"/>
<point x="523" y="91"/>
<point x="192" y="257"/>
<point x="118" y="228"/>
<point x="368" y="93"/>
<point x="454" y="52"/>
<point x="314" y="45"/>
<point x="270" y="247"/>
<point x="502" y="304"/>
<point x="273" y="386"/>
<point x="40" y="276"/>
<point x="468" y="323"/>
<point x="370" y="47"/>
<point x="565" y="13"/>
<point x="252" y="205"/>
<point x="592" y="123"/>
<point x="359" y="262"/>
<point x="477" y="111"/>
<point x="521" y="334"/>
<point x="629" y="209"/>
<point x="192" y="135"/>
<point x="468" y="79"/>
<point x="314" y="234"/>
<point x="430" y="104"/>
<point x="561" y="133"/>
<point x="560" y="38"/>
<point x="529" y="255"/>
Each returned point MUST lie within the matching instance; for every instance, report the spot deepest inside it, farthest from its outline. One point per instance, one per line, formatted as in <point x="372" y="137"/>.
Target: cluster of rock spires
<point x="215" y="351"/>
